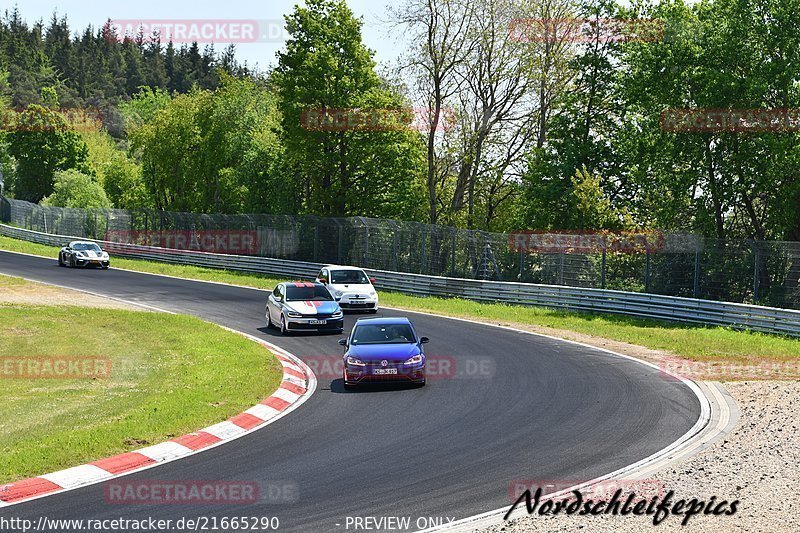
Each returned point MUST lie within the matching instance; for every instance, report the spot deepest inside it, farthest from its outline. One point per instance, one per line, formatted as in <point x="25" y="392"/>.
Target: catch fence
<point x="685" y="265"/>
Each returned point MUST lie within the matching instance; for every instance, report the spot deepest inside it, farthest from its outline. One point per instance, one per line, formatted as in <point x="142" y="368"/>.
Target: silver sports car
<point x="83" y="254"/>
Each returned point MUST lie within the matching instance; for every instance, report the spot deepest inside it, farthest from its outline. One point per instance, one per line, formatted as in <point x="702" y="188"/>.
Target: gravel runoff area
<point x="758" y="463"/>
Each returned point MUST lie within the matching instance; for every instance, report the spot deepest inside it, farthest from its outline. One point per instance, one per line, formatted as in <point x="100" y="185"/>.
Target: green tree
<point x="41" y="144"/>
<point x="387" y="178"/>
<point x="326" y="67"/>
<point x="101" y="148"/>
<point x="584" y="132"/>
<point x="134" y="74"/>
<point x="168" y="145"/>
<point x="23" y="55"/>
<point x="211" y="151"/>
<point x="144" y="105"/>
<point x="239" y="157"/>
<point x="593" y="209"/>
<point x="76" y="189"/>
<point x="123" y="183"/>
<point x="117" y="173"/>
<point x="7" y="163"/>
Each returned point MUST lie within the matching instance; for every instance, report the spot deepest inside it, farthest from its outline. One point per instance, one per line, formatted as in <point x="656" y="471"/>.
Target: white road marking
<point x="225" y="430"/>
<point x="165" y="451"/>
<point x="77" y="476"/>
<point x="264" y="412"/>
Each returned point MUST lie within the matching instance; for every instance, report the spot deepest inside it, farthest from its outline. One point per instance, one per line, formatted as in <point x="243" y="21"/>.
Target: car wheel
<point x="105" y="267"/>
<point x="268" y="316"/>
<point x="72" y="261"/>
<point x="61" y="260"/>
<point x="284" y="329"/>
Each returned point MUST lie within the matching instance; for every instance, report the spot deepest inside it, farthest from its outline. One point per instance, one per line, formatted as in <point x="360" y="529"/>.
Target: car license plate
<point x="317" y="322"/>
<point x="384" y="371"/>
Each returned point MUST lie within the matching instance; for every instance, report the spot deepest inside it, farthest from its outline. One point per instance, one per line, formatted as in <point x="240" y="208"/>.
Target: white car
<point x="351" y="287"/>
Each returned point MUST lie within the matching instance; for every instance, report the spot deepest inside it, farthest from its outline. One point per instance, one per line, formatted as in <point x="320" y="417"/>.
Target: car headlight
<point x="293" y="314"/>
<point x="105" y="255"/>
<point x="417" y="359"/>
<point x="339" y="294"/>
<point x="372" y="293"/>
<point x="79" y="254"/>
<point x="355" y="362"/>
<point x="337" y="314"/>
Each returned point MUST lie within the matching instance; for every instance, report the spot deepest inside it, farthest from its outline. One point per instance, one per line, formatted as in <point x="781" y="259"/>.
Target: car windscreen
<point x="354" y="277"/>
<point x="86" y="247"/>
<point x="383" y="334"/>
<point x="316" y="293"/>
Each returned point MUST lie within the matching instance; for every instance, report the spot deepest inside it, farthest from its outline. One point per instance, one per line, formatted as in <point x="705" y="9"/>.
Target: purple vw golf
<point x="383" y="349"/>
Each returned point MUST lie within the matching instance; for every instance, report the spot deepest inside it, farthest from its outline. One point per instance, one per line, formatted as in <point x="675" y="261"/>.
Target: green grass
<point x="698" y="343"/>
<point x="170" y="375"/>
<point x="11" y="282"/>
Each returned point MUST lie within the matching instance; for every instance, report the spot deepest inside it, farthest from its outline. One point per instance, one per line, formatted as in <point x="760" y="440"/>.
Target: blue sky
<point x="378" y="34"/>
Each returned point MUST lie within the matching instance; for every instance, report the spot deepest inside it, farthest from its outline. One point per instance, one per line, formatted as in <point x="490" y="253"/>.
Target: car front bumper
<point x="350" y="301"/>
<point x="90" y="261"/>
<point x="366" y="374"/>
<point x="308" y="324"/>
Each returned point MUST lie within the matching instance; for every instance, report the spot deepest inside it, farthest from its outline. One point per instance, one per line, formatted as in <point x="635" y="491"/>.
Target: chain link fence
<point x="742" y="271"/>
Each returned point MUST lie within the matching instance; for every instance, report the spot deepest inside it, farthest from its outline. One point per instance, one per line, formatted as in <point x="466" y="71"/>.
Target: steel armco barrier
<point x="669" y="308"/>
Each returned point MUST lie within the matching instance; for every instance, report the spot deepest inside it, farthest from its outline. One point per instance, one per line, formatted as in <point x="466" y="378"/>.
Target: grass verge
<point x="169" y="375"/>
<point x="696" y="343"/>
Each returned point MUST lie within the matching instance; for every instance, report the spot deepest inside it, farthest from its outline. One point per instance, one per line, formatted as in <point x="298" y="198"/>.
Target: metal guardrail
<point x="650" y="306"/>
<point x="651" y="261"/>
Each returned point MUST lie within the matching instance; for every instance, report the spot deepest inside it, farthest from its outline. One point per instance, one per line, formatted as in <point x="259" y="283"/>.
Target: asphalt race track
<point x="536" y="409"/>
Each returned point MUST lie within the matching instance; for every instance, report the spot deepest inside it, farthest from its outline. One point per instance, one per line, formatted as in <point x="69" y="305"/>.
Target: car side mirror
<point x="424" y="340"/>
<point x="372" y="280"/>
<point x="342" y="342"/>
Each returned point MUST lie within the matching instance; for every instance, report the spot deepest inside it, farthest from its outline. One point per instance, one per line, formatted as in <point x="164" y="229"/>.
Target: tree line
<point x="513" y="114"/>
